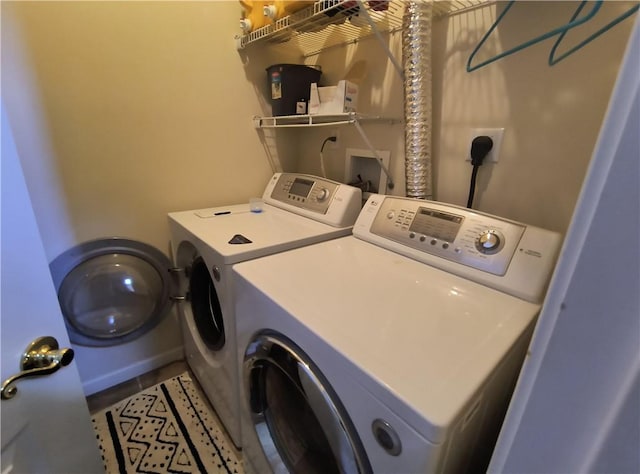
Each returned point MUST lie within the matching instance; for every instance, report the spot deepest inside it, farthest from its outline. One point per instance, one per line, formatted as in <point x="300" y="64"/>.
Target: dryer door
<point x="112" y="290"/>
<point x="301" y="423"/>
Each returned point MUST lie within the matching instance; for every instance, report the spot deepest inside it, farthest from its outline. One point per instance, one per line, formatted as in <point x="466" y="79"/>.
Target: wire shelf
<point x="330" y="23"/>
<point x="295" y="121"/>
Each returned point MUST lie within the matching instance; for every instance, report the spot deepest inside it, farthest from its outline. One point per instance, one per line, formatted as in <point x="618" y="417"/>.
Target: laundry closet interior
<point x="131" y="118"/>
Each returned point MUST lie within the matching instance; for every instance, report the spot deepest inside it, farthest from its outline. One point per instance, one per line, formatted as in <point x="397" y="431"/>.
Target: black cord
<point x="328" y="139"/>
<point x="472" y="186"/>
<point x="332" y="138"/>
<point x="480" y="148"/>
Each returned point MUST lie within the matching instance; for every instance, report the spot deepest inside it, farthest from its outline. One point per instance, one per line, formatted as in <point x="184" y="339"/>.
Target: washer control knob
<point x="489" y="242"/>
<point x="322" y="195"/>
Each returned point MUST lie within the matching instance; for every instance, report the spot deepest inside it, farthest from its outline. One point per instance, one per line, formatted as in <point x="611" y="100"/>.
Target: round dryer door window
<point x="111" y="291"/>
<point x="205" y="305"/>
<point x="300" y="422"/>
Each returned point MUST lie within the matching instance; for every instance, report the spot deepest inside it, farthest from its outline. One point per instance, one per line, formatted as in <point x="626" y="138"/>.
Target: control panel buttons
<point x="489" y="242"/>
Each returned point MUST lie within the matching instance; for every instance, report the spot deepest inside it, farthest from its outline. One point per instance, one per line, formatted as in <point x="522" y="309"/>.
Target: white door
<point x="46" y="426"/>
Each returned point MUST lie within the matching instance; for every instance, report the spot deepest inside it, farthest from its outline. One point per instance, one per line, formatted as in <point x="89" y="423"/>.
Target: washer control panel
<point x="321" y="199"/>
<point x="480" y="241"/>
<point x="307" y="192"/>
<point x="505" y="255"/>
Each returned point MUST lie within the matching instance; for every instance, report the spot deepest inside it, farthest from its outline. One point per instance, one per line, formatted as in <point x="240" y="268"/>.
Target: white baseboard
<point x="115" y="377"/>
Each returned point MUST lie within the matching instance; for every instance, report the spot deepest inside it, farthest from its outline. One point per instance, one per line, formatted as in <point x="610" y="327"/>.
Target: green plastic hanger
<point x="560" y="30"/>
<point x="552" y="55"/>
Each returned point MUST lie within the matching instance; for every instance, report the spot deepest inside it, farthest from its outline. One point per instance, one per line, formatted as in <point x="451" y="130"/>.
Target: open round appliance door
<point x="112" y="290"/>
<point x="301" y="423"/>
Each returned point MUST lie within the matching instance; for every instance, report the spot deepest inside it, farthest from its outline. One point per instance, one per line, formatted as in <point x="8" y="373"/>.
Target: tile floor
<point x="101" y="400"/>
<point x="108" y="397"/>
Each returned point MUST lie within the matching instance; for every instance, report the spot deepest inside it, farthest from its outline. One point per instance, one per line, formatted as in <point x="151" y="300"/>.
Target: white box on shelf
<point x="333" y="99"/>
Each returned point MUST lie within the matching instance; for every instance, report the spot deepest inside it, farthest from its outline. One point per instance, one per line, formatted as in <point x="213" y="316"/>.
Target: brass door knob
<point x="42" y="357"/>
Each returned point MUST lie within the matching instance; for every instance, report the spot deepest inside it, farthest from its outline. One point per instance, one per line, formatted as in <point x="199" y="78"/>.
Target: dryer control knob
<point x="489" y="242"/>
<point x="322" y="195"/>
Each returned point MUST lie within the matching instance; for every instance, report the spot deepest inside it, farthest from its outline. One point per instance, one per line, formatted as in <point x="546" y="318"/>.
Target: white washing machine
<point x="298" y="210"/>
<point x="394" y="350"/>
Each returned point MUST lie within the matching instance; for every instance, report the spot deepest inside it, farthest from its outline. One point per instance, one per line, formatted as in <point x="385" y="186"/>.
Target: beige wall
<point x="124" y="111"/>
<point x="551" y="115"/>
<point x="380" y="94"/>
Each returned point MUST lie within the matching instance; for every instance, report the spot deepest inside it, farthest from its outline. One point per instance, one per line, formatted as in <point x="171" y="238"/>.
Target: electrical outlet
<point x="496" y="136"/>
<point x="334" y="133"/>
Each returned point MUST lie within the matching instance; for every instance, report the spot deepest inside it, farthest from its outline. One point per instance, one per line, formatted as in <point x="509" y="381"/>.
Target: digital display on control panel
<point x="437" y="224"/>
<point x="301" y="187"/>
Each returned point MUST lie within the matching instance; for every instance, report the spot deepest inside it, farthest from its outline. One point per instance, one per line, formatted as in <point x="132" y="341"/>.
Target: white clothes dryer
<point x="298" y="210"/>
<point x="394" y="350"/>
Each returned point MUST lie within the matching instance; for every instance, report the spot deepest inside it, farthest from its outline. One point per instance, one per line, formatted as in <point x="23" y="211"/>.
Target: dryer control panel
<point x="488" y="249"/>
<point x="479" y="241"/>
<point x="321" y="199"/>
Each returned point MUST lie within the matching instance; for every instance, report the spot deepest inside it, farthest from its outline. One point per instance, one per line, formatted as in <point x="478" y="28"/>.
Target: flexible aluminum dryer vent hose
<point x="416" y="57"/>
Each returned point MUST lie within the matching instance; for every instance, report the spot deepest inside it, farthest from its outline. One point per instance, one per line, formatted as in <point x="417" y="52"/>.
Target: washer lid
<point x="111" y="290"/>
<point x="270" y="231"/>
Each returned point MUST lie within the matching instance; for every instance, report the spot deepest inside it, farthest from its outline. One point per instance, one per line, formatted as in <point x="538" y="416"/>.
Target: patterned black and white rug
<point x="166" y="428"/>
